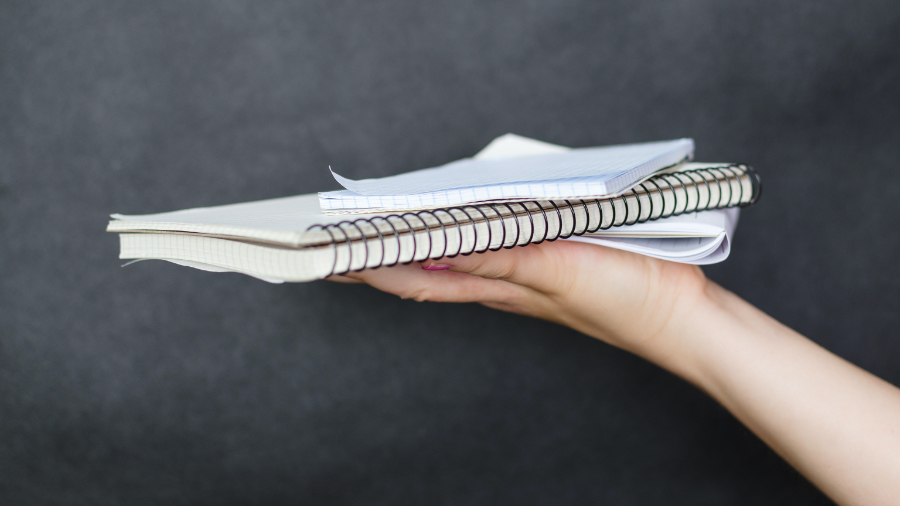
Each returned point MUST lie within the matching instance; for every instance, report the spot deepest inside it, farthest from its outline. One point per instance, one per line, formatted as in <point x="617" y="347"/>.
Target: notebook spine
<point x="660" y="196"/>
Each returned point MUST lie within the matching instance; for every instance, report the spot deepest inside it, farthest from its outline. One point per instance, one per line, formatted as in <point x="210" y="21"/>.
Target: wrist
<point x="716" y="334"/>
<point x="689" y="340"/>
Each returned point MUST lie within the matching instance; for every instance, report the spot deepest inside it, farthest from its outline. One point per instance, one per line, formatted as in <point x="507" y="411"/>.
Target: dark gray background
<point x="160" y="384"/>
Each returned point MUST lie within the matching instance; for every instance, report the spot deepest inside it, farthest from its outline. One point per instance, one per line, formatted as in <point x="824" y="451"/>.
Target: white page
<point x="696" y="250"/>
<point x="516" y="146"/>
<point x="706" y="223"/>
<point x="215" y="268"/>
<point x="507" y="176"/>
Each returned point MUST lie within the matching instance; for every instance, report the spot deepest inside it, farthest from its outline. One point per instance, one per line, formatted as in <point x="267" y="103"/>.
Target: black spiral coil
<point x="700" y="190"/>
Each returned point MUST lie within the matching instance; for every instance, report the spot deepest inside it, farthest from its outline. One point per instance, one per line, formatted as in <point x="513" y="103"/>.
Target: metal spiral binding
<point x="691" y="183"/>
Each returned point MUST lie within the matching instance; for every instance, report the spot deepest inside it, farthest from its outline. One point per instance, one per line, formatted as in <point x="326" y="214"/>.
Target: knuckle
<point x="505" y="270"/>
<point x="422" y="296"/>
<point x="417" y="294"/>
<point x="495" y="269"/>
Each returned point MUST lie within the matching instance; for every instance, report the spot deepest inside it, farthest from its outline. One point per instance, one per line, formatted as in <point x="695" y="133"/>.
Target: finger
<point x="413" y="282"/>
<point x="337" y="278"/>
<point x="544" y="267"/>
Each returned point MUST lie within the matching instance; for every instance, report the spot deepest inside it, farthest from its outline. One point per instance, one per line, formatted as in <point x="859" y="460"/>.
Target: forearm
<point x="834" y="422"/>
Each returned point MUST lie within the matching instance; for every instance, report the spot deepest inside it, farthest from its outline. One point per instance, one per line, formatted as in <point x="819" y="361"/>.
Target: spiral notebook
<point x="292" y="239"/>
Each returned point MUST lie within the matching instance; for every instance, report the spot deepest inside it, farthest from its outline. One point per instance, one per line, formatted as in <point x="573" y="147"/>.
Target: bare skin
<point x="834" y="422"/>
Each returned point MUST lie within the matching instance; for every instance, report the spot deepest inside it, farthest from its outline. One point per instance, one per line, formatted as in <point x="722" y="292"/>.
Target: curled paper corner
<point x="343" y="181"/>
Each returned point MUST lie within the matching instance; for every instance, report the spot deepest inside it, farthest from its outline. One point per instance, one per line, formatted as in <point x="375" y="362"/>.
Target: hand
<point x="622" y="298"/>
<point x="837" y="424"/>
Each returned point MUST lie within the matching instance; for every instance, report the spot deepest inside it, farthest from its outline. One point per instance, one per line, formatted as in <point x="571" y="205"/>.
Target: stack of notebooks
<point x="646" y="198"/>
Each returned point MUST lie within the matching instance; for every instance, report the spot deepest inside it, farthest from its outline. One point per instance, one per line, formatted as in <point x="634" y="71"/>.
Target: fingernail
<point x="436" y="267"/>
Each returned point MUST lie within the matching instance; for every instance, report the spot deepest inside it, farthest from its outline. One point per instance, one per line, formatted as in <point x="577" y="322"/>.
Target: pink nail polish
<point x="436" y="267"/>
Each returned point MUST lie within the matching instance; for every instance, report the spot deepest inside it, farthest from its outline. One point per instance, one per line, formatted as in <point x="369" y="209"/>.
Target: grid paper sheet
<point x="585" y="171"/>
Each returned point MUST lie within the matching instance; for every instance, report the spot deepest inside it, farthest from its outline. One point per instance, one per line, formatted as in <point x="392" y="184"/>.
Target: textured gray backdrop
<point x="158" y="384"/>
